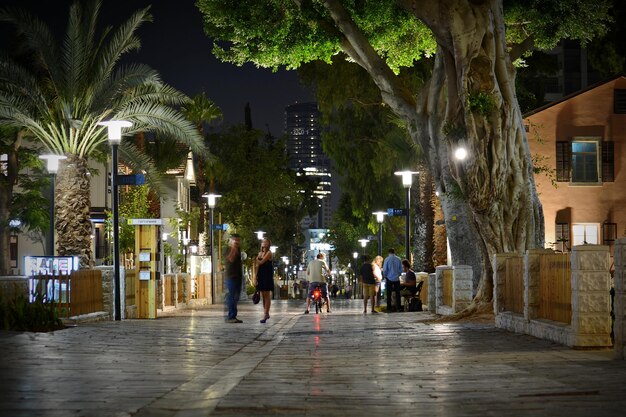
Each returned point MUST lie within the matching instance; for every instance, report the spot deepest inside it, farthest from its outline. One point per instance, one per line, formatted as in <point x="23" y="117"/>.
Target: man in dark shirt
<point x="366" y="275"/>
<point x="233" y="273"/>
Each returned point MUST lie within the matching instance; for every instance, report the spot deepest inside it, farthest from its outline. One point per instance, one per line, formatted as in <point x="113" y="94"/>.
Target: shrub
<point x="21" y="315"/>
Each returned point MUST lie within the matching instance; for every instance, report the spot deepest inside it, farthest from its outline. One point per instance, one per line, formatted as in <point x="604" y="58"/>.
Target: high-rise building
<point x="304" y="149"/>
<point x="574" y="71"/>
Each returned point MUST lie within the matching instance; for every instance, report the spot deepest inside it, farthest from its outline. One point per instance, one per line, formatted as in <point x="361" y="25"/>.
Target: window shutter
<point x="563" y="158"/>
<point x="608" y="164"/>
<point x="619" y="101"/>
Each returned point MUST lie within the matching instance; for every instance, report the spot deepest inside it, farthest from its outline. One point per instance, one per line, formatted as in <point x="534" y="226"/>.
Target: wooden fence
<point x="555" y="288"/>
<point x="181" y="288"/>
<point x="448" y="288"/>
<point x="75" y="294"/>
<point x="169" y="289"/>
<point x="129" y="280"/>
<point x="514" y="285"/>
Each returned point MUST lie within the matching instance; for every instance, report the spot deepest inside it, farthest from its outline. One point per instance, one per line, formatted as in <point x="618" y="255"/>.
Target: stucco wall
<point x="586" y="114"/>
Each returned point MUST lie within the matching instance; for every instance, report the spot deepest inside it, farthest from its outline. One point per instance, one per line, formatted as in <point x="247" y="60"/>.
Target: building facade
<point x="579" y="147"/>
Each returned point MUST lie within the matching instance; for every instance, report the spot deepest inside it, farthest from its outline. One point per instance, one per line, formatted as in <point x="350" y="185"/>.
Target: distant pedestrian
<point x="392" y="268"/>
<point x="233" y="272"/>
<point x="366" y="276"/>
<point x="265" y="277"/>
<point x="377" y="266"/>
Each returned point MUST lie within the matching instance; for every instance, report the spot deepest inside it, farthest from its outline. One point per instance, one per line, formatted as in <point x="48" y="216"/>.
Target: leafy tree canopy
<point x="258" y="190"/>
<point x="274" y="33"/>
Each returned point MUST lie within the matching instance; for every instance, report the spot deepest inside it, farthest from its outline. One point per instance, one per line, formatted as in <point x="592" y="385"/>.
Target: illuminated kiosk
<point x="147" y="235"/>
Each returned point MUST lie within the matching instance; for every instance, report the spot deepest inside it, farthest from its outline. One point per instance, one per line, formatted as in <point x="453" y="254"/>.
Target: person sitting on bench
<point x="410" y="280"/>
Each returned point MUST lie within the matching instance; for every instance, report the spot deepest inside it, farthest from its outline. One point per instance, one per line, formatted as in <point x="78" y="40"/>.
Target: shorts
<point x="369" y="290"/>
<point x="321" y="285"/>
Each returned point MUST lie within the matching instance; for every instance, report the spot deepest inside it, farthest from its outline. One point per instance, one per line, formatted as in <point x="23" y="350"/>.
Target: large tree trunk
<point x="489" y="200"/>
<point x="72" y="223"/>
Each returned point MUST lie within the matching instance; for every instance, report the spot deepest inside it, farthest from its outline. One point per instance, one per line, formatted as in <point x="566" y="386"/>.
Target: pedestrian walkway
<point x="190" y="363"/>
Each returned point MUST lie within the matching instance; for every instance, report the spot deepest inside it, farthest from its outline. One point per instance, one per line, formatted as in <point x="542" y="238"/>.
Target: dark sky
<point x="176" y="46"/>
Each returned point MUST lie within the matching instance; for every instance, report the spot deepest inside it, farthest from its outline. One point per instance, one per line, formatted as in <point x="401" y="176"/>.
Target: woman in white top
<point x="377" y="268"/>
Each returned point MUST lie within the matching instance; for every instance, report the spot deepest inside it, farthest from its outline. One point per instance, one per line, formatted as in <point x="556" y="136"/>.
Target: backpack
<point x="415" y="304"/>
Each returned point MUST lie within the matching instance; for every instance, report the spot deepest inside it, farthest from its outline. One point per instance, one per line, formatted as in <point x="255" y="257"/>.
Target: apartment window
<point x="585" y="160"/>
<point x="562" y="237"/>
<point x="585" y="233"/>
<point x="609" y="233"/>
<point x="619" y="101"/>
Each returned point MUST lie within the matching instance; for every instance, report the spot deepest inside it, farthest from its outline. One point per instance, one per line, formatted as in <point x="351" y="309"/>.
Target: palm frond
<point x="17" y="81"/>
<point x="122" y="40"/>
<point x="139" y="161"/>
<point x="164" y="121"/>
<point x="109" y="90"/>
<point x="37" y="37"/>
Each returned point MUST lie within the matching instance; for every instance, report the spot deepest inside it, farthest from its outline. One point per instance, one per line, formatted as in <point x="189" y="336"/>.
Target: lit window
<point x="584" y="161"/>
<point x="585" y="233"/>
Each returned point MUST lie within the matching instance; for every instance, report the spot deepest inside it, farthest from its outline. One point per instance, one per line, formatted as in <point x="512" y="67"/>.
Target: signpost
<point x="133" y="179"/>
<point x="397" y="212"/>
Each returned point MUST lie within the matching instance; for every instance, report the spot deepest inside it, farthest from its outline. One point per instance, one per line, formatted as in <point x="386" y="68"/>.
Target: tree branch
<point x="519" y="49"/>
<point x="357" y="46"/>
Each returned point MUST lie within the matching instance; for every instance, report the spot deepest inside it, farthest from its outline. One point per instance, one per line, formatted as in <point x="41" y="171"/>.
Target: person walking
<point x="265" y="277"/>
<point x="316" y="272"/>
<point x="377" y="266"/>
<point x="233" y="277"/>
<point x="366" y="276"/>
<point x="392" y="268"/>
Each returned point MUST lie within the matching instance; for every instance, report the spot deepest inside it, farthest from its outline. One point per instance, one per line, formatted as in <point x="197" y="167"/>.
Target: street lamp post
<point x="407" y="182"/>
<point x="380" y="216"/>
<point x="355" y="255"/>
<point x="211" y="201"/>
<point x="114" y="130"/>
<point x="52" y="165"/>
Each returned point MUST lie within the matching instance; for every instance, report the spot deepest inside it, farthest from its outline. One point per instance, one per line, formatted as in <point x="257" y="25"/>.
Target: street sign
<point x="220" y="226"/>
<point x="133" y="179"/>
<point x="372" y="237"/>
<point x="396" y="212"/>
<point x="144" y="222"/>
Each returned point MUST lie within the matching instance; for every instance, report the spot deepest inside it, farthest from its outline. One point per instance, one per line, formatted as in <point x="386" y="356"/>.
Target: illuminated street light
<point x="380" y="217"/>
<point x="460" y="153"/>
<point x="114" y="133"/>
<point x="407" y="182"/>
<point x="212" y="201"/>
<point x="52" y="165"/>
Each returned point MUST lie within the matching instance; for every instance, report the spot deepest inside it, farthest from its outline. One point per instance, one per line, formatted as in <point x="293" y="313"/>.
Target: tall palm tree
<point x="69" y="87"/>
<point x="201" y="110"/>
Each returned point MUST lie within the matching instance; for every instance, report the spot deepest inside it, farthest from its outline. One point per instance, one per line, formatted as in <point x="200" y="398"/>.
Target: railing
<point x="514" y="286"/>
<point x="75" y="294"/>
<point x="555" y="290"/>
<point x="448" y="288"/>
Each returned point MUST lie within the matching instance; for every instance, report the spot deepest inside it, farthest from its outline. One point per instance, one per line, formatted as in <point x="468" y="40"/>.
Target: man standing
<point x="234" y="277"/>
<point x="392" y="268"/>
<point x="366" y="276"/>
<point x="316" y="273"/>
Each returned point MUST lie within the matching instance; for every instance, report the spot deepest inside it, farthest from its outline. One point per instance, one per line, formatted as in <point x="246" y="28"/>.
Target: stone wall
<point x="590" y="282"/>
<point x="462" y="286"/>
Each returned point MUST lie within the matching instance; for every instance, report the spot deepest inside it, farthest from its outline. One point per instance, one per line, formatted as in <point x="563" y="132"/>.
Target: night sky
<point x="175" y="45"/>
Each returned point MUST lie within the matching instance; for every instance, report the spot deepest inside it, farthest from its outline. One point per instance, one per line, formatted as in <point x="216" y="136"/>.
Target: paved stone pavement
<point x="191" y="363"/>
